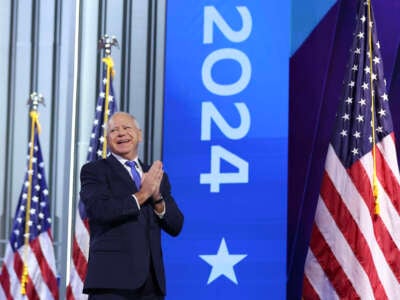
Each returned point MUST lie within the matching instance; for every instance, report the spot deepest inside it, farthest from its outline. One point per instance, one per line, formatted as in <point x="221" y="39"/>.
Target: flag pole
<point x="33" y="101"/>
<point x="375" y="190"/>
<point x="107" y="42"/>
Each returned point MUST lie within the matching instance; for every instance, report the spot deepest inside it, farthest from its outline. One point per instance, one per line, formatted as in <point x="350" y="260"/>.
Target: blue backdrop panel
<point x="225" y="147"/>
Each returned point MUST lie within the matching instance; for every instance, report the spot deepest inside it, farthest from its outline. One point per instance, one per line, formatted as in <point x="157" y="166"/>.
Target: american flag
<point x="80" y="247"/>
<point x="38" y="254"/>
<point x="354" y="248"/>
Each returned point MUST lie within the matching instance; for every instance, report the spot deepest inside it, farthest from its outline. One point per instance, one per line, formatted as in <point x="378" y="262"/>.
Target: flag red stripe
<point x="331" y="266"/>
<point x="5" y="282"/>
<point x="46" y="272"/>
<point x="79" y="260"/>
<point x="86" y="222"/>
<point x="383" y="237"/>
<point x="308" y="290"/>
<point x="18" y="268"/>
<point x="387" y="179"/>
<point x="31" y="291"/>
<point x="385" y="241"/>
<point x="361" y="181"/>
<point x="350" y="230"/>
<point x="69" y="294"/>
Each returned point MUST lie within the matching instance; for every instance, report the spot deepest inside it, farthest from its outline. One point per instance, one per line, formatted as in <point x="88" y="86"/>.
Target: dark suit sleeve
<point x="102" y="203"/>
<point x="172" y="221"/>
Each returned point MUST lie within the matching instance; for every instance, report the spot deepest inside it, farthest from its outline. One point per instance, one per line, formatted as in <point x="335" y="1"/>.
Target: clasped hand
<point x="151" y="180"/>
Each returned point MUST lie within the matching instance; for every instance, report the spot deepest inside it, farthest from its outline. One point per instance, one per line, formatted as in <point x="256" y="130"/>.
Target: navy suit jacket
<point x="123" y="238"/>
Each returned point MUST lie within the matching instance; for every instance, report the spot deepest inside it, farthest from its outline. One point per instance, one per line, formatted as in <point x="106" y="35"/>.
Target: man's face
<point x="123" y="136"/>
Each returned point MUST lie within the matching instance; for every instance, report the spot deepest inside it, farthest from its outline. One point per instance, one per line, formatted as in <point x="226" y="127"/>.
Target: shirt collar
<point x="124" y="160"/>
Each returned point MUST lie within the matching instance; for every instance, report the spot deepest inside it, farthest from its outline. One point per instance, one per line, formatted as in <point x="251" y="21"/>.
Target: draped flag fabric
<point x="355" y="241"/>
<point x="31" y="243"/>
<point x="80" y="247"/>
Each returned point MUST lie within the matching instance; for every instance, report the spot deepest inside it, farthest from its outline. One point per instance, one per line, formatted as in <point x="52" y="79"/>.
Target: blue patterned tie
<point x="135" y="173"/>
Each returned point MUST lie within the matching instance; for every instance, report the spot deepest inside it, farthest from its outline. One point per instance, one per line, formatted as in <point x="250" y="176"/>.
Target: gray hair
<point x="121" y="113"/>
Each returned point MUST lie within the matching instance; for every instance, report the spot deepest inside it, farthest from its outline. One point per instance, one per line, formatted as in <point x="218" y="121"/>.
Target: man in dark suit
<point x="126" y="218"/>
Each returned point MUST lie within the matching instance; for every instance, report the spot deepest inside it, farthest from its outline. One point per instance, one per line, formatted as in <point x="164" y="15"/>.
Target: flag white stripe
<point x="82" y="236"/>
<point x="388" y="212"/>
<point x="77" y="285"/>
<point x="47" y="247"/>
<point x="35" y="273"/>
<point x="317" y="278"/>
<point x="342" y="251"/>
<point x="388" y="148"/>
<point x="15" y="286"/>
<point x="358" y="208"/>
<point x="2" y="294"/>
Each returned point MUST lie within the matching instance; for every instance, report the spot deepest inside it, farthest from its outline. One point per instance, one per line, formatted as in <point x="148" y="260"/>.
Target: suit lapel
<point x="144" y="167"/>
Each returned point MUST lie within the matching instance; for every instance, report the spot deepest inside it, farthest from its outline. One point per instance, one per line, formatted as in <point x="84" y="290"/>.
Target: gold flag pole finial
<point x="34" y="100"/>
<point x="107" y="42"/>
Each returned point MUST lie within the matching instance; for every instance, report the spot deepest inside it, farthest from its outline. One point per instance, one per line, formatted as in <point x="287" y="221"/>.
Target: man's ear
<point x="140" y="137"/>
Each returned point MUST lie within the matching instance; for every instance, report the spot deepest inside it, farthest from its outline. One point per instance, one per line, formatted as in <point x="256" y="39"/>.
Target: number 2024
<point x="210" y="113"/>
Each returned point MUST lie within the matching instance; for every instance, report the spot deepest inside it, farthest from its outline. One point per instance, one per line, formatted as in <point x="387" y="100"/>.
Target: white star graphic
<point x="357" y="134"/>
<point x="349" y="100"/>
<point x="360" y="118"/>
<point x="382" y="112"/>
<point x="385" y="97"/>
<point x="222" y="263"/>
